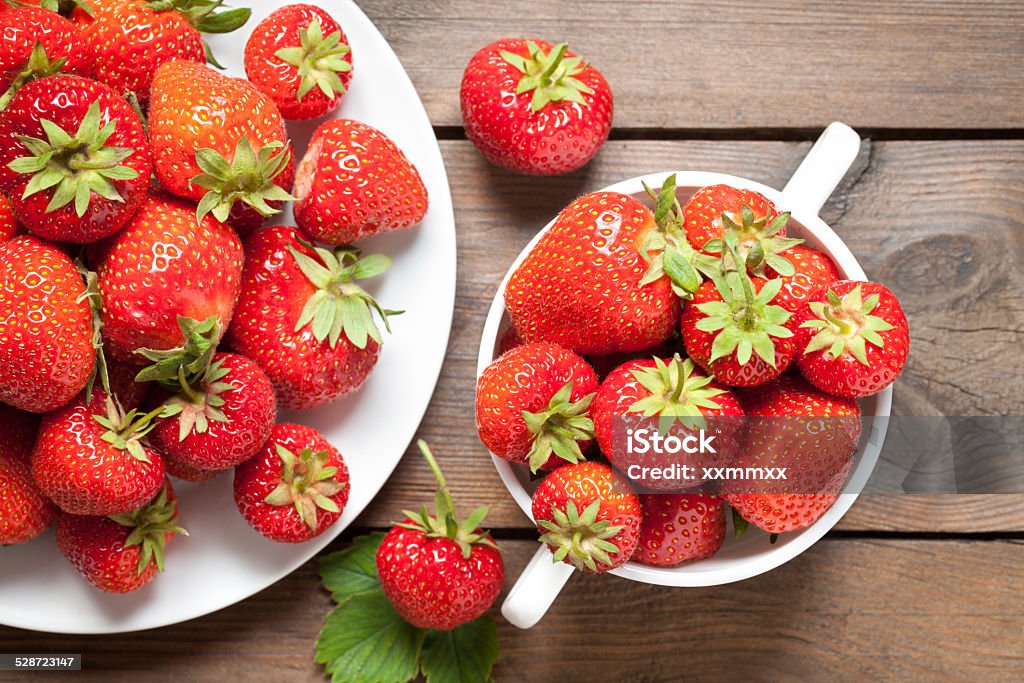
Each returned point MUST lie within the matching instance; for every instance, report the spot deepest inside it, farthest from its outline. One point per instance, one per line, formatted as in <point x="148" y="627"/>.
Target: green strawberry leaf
<point x="463" y="655"/>
<point x="353" y="570"/>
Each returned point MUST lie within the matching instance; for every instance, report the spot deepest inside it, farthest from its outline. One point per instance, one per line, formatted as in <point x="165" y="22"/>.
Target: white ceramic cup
<point x="804" y="194"/>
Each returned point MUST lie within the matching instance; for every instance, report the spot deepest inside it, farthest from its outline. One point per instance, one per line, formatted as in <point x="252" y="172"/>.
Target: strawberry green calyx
<point x="149" y="526"/>
<point x="307" y="484"/>
<point x="199" y="404"/>
<point x="319" y="60"/>
<point x="339" y="304"/>
<point x="846" y="325"/>
<point x="248" y="177"/>
<point x="551" y="77"/>
<point x="204" y="14"/>
<point x="676" y="393"/>
<point x="125" y="431"/>
<point x="559" y="428"/>
<point x="187" y="364"/>
<point x="444" y="523"/>
<point x="579" y="537"/>
<point x="759" y="242"/>
<point x="76" y="166"/>
<point x="38" y="66"/>
<point x="745" y="321"/>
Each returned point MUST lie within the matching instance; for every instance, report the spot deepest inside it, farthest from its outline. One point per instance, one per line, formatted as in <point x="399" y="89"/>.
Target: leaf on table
<point x="353" y="570"/>
<point x="465" y="654"/>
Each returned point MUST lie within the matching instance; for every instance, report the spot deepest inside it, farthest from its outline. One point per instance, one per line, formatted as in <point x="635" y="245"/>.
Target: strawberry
<point x="24" y="511"/>
<point x="814" y="435"/>
<point x="222" y="409"/>
<point x="531" y="406"/>
<point x="535" y="108"/>
<point x="354" y="182"/>
<point x="8" y="222"/>
<point x="508" y="340"/>
<point x="674" y="398"/>
<point x="163" y="265"/>
<point x="46" y="332"/>
<point x="90" y="460"/>
<point x="852" y="338"/>
<point x="129" y="39"/>
<point x="438" y="572"/>
<point x="811" y="270"/>
<point x="304" y="320"/>
<point x="18" y="432"/>
<point x="582" y="285"/>
<point x="219" y="141"/>
<point x="121" y="553"/>
<point x="588" y="516"/>
<point x="27" y="29"/>
<point x="121" y="377"/>
<point x="679" y="528"/>
<point x="180" y="470"/>
<point x="299" y="57"/>
<point x="295" y="487"/>
<point x="74" y="159"/>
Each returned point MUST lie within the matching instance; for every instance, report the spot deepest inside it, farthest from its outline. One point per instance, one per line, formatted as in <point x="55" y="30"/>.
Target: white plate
<point x="223" y="561"/>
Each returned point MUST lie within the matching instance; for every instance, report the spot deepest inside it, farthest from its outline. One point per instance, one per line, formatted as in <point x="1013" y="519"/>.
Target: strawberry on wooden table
<point x="74" y="158"/>
<point x="299" y="57"/>
<point x="46" y="330"/>
<point x="354" y="182"/>
<point x="533" y="107"/>
<point x="28" y="29"/>
<point x="439" y="572"/>
<point x="679" y="528"/>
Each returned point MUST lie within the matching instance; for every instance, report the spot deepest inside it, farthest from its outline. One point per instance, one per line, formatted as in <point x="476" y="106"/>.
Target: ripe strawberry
<point x="674" y="398"/>
<point x="588" y="515"/>
<point x="129" y="39"/>
<point x="89" y="458"/>
<point x="299" y="57"/>
<point x="74" y="159"/>
<point x="121" y="376"/>
<point x="26" y="27"/>
<point x="24" y="511"/>
<point x="535" y="108"/>
<point x="438" y="572"/>
<point x="8" y="223"/>
<point x="531" y="406"/>
<point x="295" y="487"/>
<point x="811" y="270"/>
<point x="163" y="265"/>
<point x="18" y="432"/>
<point x="582" y="286"/>
<point x="295" y="305"/>
<point x="121" y="553"/>
<point x="679" y="528"/>
<point x="46" y="333"/>
<point x="219" y="141"/>
<point x="180" y="470"/>
<point x="812" y="434"/>
<point x="852" y="338"/>
<point x="222" y="409"/>
<point x="354" y="182"/>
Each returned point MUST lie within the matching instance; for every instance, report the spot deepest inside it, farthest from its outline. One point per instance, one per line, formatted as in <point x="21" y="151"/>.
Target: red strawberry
<point x="46" y="333"/>
<point x="219" y="141"/>
<point x="89" y="459"/>
<point x="303" y="318"/>
<point x="813" y="435"/>
<point x="222" y="409"/>
<point x="811" y="271"/>
<point x="354" y="182"/>
<point x="180" y="470"/>
<point x="438" y="572"/>
<point x="582" y="286"/>
<point x="531" y="406"/>
<point x="129" y="39"/>
<point x="679" y="528"/>
<point x="163" y="265"/>
<point x="24" y="511"/>
<point x="588" y="515"/>
<point x="535" y="108"/>
<point x="74" y="159"/>
<point x="8" y="223"/>
<point x="129" y="393"/>
<point x="121" y="553"/>
<point x="18" y="432"/>
<point x="672" y="397"/>
<point x="295" y="487"/>
<point x="852" y="338"/>
<point x="24" y="28"/>
<point x="299" y="57"/>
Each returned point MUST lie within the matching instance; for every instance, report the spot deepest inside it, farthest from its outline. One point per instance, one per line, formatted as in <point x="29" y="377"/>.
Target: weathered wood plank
<point x="748" y="64"/>
<point x="898" y="610"/>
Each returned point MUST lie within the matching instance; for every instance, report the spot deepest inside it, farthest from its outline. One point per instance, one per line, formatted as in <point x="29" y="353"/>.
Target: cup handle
<point x="822" y="169"/>
<point x="535" y="589"/>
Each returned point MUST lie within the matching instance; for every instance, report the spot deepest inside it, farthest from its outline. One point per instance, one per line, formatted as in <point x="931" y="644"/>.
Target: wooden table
<point x="906" y="587"/>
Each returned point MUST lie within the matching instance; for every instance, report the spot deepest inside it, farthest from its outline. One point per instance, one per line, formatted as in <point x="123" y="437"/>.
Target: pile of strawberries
<point x="149" y="324"/>
<point x="696" y="316"/>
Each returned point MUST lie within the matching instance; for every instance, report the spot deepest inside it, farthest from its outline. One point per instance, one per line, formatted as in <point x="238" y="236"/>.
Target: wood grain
<point x="746" y="64"/>
<point x="843" y="611"/>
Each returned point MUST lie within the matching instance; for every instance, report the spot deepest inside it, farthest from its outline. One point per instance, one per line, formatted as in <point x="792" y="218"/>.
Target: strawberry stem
<point x="748" y="319"/>
<point x="436" y="469"/>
